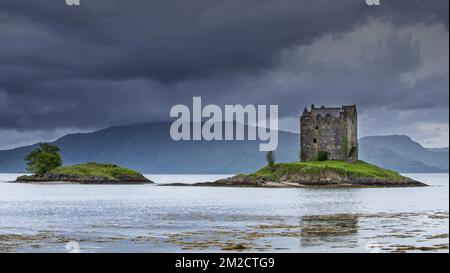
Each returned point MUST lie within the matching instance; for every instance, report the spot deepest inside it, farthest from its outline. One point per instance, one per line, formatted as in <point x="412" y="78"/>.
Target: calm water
<point x="149" y="218"/>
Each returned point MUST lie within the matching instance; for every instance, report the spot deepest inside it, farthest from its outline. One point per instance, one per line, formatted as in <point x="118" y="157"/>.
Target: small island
<point x="89" y="173"/>
<point x="46" y="165"/>
<point x="329" y="173"/>
<point x="328" y="157"/>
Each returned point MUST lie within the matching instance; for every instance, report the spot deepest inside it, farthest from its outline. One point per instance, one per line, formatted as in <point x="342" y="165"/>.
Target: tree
<point x="43" y="159"/>
<point x="270" y="158"/>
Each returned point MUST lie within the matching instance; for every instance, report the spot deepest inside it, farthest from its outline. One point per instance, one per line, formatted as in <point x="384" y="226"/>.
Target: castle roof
<point x="329" y="111"/>
<point x="349" y="108"/>
<point x="323" y="111"/>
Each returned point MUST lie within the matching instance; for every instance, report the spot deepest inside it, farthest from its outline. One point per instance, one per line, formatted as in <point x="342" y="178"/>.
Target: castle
<point x="331" y="132"/>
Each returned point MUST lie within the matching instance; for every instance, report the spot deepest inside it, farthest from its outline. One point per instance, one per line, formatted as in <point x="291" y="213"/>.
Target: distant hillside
<point x="148" y="148"/>
<point x="438" y="150"/>
<point x="403" y="154"/>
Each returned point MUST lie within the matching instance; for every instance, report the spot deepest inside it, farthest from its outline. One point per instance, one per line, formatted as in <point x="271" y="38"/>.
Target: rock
<point x="81" y="179"/>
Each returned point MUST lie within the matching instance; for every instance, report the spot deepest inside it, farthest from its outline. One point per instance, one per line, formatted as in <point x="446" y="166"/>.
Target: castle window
<point x="315" y="140"/>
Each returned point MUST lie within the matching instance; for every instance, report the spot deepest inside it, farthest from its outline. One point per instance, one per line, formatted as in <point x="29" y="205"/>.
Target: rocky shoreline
<point x="325" y="178"/>
<point x="88" y="173"/>
<point x="65" y="178"/>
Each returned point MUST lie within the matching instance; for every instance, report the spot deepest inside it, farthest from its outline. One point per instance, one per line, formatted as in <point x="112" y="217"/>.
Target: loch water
<point x="152" y="218"/>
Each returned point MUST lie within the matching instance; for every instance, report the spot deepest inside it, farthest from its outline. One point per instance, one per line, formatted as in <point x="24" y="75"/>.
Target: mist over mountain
<point x="400" y="151"/>
<point x="149" y="148"/>
<point x="439" y="150"/>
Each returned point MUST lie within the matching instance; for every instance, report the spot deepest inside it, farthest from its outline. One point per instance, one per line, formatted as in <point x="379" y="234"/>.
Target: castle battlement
<point x="333" y="130"/>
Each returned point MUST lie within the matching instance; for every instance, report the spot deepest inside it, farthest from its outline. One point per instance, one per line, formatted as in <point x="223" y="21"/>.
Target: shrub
<point x="345" y="147"/>
<point x="322" y="156"/>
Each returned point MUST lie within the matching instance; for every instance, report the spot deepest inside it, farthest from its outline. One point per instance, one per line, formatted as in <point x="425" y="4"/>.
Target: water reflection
<point x="334" y="228"/>
<point x="329" y="201"/>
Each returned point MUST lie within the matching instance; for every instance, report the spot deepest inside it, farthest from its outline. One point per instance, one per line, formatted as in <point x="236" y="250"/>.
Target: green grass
<point x="357" y="169"/>
<point x="96" y="169"/>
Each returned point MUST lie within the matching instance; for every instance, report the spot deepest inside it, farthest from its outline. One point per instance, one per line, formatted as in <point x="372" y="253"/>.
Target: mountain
<point x="400" y="152"/>
<point x="149" y="148"/>
<point x="438" y="150"/>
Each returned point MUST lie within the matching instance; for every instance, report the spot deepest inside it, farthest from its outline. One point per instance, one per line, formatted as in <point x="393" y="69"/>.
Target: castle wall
<point x="323" y="134"/>
<point x="352" y="136"/>
<point x="334" y="134"/>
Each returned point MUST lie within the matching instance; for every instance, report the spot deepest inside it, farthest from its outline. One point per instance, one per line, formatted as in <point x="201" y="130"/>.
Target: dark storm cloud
<point x="111" y="62"/>
<point x="175" y="40"/>
<point x="171" y="40"/>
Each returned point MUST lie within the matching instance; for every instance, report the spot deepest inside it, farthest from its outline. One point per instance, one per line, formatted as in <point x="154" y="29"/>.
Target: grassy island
<point x="109" y="171"/>
<point x="89" y="173"/>
<point x="357" y="169"/>
<point x="330" y="173"/>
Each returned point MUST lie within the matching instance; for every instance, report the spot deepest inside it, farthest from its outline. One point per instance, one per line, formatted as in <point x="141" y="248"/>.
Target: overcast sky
<point x="111" y="62"/>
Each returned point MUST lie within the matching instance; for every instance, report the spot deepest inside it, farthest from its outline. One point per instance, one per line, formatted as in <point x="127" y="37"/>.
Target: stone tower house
<point x="330" y="130"/>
